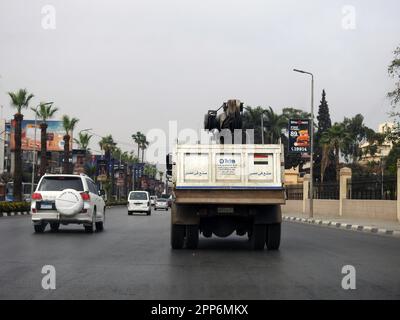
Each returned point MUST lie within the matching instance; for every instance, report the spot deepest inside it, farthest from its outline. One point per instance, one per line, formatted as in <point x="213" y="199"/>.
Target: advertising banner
<point x="299" y="137"/>
<point x="102" y="170"/>
<point x="55" y="134"/>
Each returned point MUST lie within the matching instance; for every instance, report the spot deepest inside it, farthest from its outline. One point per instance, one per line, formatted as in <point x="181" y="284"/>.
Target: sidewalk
<point x="386" y="227"/>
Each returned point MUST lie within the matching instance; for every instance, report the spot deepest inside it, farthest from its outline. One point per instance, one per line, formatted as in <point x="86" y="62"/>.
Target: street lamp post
<point x="34" y="160"/>
<point x="311" y="143"/>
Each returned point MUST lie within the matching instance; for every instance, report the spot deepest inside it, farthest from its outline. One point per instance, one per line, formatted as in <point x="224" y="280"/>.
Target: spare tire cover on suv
<point x="69" y="202"/>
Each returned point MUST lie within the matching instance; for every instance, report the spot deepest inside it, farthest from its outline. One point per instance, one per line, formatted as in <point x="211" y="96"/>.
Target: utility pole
<point x="311" y="143"/>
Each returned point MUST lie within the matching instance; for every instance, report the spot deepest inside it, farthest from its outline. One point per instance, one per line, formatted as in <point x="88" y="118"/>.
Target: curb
<point x="11" y="214"/>
<point x="345" y="226"/>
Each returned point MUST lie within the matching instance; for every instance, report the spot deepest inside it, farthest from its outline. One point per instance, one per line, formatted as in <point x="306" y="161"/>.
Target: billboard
<point x="299" y="138"/>
<point x="102" y="166"/>
<point x="55" y="134"/>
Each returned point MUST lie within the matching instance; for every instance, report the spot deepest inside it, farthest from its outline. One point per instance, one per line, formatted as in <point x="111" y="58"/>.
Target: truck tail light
<point x="36" y="196"/>
<point x="85" y="196"/>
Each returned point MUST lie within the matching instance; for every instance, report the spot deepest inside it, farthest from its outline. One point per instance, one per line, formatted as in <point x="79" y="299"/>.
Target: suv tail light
<point x="85" y="196"/>
<point x="36" y="196"/>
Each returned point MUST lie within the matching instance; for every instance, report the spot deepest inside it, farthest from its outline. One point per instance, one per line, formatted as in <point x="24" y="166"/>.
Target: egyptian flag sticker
<point x="260" y="158"/>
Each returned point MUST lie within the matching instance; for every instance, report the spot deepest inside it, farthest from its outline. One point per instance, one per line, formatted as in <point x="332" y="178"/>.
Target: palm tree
<point x="44" y="112"/>
<point x="143" y="145"/>
<point x="138" y="138"/>
<point x="19" y="100"/>
<point x="273" y="125"/>
<point x="108" y="145"/>
<point x="335" y="138"/>
<point x="150" y="170"/>
<point x="83" y="140"/>
<point x="252" y="120"/>
<point x="69" y="125"/>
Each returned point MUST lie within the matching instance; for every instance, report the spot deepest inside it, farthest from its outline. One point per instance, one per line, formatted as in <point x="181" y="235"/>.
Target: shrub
<point x="8" y="207"/>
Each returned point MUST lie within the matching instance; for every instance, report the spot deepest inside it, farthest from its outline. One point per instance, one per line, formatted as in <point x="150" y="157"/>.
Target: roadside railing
<point x="326" y="190"/>
<point x="373" y="188"/>
<point x="294" y="192"/>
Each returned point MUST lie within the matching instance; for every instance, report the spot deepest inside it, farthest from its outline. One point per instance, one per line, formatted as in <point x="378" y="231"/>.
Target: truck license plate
<point x="225" y="210"/>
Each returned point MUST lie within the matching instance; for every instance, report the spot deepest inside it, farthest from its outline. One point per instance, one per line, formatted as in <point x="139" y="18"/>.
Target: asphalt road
<point x="132" y="259"/>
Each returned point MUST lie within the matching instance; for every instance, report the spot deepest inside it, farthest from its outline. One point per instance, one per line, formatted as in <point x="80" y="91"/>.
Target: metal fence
<point x="379" y="188"/>
<point x="294" y="192"/>
<point x="326" y="190"/>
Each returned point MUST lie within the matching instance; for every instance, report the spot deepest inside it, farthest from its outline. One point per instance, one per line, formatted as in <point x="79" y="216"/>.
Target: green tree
<point x="394" y="72"/>
<point x="68" y="125"/>
<point x="44" y="112"/>
<point x="323" y="125"/>
<point x="19" y="100"/>
<point x="274" y="125"/>
<point x="334" y="139"/>
<point x="292" y="113"/>
<point x="358" y="133"/>
<point x="252" y="120"/>
<point x="150" y="170"/>
<point x="138" y="138"/>
<point x="391" y="159"/>
<point x="108" y="145"/>
<point x="83" y="140"/>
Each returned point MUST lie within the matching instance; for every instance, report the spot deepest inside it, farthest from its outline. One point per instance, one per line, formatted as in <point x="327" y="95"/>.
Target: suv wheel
<point x="100" y="224"/>
<point x="54" y="226"/>
<point x="90" y="228"/>
<point x="39" y="228"/>
<point x="149" y="212"/>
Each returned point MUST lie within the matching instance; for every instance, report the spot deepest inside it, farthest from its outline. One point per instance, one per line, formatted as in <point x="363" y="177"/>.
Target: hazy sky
<point x="124" y="66"/>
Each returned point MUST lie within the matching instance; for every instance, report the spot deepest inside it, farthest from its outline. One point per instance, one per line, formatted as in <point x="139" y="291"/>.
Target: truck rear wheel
<point x="273" y="236"/>
<point x="192" y="236"/>
<point x="257" y="237"/>
<point x="177" y="236"/>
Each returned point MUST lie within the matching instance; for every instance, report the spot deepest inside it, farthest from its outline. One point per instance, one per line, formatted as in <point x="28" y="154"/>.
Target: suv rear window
<point x="61" y="183"/>
<point x="138" y="196"/>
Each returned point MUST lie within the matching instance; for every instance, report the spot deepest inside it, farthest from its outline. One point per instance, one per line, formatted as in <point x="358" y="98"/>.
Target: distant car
<point x="139" y="201"/>
<point x="153" y="200"/>
<point x="67" y="199"/>
<point x="161" y="203"/>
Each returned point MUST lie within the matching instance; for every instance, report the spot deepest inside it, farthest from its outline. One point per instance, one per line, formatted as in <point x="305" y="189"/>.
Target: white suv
<point x="67" y="199"/>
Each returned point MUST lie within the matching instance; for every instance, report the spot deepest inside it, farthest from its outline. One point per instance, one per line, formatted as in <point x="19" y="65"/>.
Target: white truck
<point x="219" y="189"/>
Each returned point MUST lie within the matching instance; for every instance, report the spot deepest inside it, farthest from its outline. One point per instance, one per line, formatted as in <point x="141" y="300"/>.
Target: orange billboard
<point x="55" y="134"/>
